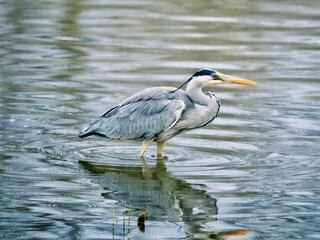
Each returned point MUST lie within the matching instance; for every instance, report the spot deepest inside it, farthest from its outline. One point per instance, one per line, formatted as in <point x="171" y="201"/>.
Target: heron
<point x="160" y="113"/>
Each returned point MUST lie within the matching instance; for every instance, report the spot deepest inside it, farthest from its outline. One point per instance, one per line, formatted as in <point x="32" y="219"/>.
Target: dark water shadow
<point x="163" y="197"/>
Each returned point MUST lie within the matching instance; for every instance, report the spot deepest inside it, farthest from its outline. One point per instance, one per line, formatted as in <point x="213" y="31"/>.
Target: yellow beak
<point x="236" y="80"/>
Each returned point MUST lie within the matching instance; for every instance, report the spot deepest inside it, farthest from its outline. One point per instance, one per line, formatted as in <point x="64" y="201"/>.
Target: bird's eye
<point x="215" y="77"/>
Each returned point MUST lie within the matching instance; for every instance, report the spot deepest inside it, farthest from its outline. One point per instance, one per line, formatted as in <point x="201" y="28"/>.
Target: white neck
<point x="206" y="107"/>
<point x="194" y="90"/>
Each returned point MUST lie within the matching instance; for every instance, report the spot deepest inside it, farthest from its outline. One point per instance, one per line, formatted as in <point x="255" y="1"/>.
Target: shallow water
<point x="251" y="174"/>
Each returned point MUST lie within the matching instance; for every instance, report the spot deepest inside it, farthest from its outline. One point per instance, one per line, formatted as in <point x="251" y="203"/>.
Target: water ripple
<point x="255" y="167"/>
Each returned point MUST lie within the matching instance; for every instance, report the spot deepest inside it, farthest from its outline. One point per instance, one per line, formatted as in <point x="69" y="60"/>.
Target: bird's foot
<point x="161" y="157"/>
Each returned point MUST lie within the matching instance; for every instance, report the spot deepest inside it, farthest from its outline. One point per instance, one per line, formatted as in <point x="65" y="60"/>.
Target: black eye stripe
<point x="204" y="72"/>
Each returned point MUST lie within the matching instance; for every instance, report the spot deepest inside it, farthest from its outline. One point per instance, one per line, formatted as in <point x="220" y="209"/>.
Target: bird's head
<point x="209" y="77"/>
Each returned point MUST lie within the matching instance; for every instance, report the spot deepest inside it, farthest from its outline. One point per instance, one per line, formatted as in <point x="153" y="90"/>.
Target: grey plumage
<point x="157" y="114"/>
<point x="142" y="116"/>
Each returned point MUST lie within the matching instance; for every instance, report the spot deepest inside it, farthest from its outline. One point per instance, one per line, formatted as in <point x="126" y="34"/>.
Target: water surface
<point x="251" y="174"/>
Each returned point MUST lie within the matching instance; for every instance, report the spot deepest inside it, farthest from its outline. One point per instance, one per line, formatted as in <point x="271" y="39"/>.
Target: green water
<point x="251" y="174"/>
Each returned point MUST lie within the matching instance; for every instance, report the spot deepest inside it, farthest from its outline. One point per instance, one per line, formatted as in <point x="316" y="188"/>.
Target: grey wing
<point x="140" y="117"/>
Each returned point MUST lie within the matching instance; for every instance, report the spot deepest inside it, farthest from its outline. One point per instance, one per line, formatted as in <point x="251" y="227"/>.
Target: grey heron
<point x="159" y="113"/>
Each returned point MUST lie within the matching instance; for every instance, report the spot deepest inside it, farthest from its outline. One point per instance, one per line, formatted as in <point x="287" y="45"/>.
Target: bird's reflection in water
<point x="160" y="195"/>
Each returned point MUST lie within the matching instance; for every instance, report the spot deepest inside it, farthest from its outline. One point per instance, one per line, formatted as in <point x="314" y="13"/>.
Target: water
<point x="251" y="174"/>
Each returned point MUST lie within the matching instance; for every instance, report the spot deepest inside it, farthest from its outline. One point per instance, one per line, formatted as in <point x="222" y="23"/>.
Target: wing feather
<point x="142" y="116"/>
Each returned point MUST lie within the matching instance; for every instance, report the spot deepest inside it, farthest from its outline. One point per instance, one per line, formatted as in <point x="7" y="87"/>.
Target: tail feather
<point x="90" y="128"/>
<point x="83" y="135"/>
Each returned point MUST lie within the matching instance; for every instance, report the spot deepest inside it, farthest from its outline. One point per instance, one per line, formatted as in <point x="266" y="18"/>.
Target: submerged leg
<point x="145" y="145"/>
<point x="145" y="169"/>
<point x="160" y="146"/>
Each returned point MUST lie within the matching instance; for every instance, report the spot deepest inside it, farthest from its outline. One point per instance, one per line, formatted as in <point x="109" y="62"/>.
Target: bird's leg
<point x="160" y="146"/>
<point x="145" y="169"/>
<point x="145" y="145"/>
